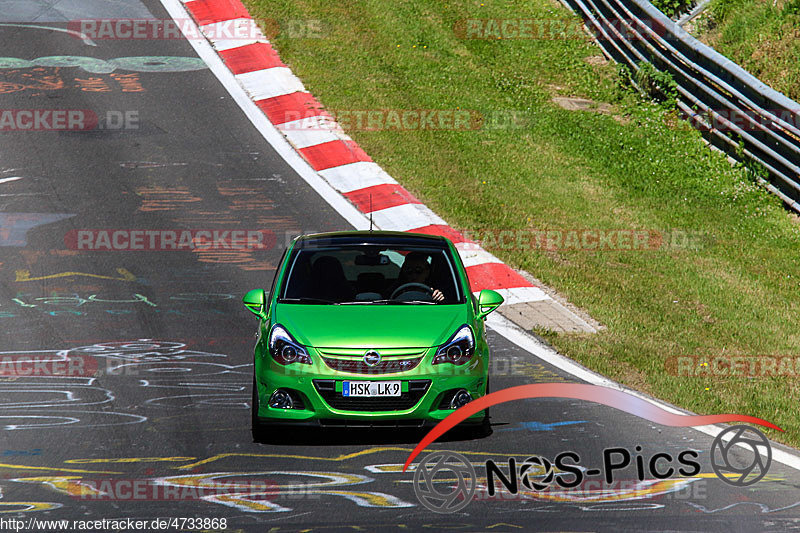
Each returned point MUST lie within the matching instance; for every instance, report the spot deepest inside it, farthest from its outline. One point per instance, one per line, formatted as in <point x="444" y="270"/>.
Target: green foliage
<point x="649" y="83"/>
<point x="723" y="8"/>
<point x="623" y="79"/>
<point x="671" y="8"/>
<point x="656" y="85"/>
<point x="791" y="9"/>
<point x="755" y="171"/>
<point x="763" y="37"/>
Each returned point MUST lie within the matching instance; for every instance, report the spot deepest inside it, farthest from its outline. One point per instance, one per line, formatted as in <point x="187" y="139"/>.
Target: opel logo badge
<point x="372" y="358"/>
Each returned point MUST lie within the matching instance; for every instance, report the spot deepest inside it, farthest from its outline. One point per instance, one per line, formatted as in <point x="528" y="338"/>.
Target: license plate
<point x="371" y="388"/>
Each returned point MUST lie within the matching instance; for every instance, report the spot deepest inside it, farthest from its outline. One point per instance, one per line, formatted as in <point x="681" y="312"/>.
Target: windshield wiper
<point x="305" y="300"/>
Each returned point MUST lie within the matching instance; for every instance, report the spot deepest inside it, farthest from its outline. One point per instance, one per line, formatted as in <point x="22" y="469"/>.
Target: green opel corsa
<point x="368" y="328"/>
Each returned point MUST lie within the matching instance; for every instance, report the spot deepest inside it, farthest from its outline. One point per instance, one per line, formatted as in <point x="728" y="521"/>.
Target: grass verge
<point x="731" y="290"/>
<point x="762" y="37"/>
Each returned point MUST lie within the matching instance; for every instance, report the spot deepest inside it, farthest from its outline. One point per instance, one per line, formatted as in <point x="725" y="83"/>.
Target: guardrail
<point x="735" y="111"/>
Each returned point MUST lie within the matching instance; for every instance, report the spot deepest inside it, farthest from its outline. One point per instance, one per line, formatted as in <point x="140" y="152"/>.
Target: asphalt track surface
<point x="168" y="402"/>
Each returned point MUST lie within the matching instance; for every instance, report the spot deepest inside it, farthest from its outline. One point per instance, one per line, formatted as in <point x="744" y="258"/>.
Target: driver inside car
<point x="416" y="269"/>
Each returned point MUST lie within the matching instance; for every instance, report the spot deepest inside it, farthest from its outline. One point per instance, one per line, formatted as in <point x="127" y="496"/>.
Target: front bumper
<point x="425" y="389"/>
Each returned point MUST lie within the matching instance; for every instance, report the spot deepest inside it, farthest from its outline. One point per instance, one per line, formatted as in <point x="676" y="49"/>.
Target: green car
<point x="368" y="328"/>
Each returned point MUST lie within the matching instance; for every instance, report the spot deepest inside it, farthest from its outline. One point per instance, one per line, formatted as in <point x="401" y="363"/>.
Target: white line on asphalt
<point x="82" y="36"/>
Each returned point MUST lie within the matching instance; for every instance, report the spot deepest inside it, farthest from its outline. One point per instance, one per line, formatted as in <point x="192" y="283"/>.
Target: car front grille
<point x="358" y="366"/>
<point x="407" y="400"/>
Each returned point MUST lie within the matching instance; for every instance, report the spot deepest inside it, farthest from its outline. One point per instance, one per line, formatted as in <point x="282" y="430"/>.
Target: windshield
<point x="370" y="274"/>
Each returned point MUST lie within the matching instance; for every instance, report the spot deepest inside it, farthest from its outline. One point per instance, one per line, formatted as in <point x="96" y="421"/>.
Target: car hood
<point x="370" y="326"/>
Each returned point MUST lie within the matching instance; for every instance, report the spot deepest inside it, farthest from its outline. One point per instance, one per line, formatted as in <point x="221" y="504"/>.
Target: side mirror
<point x="255" y="302"/>
<point x="488" y="301"/>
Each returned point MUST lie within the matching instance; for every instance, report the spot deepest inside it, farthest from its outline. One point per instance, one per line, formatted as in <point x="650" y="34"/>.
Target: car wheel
<point x="477" y="430"/>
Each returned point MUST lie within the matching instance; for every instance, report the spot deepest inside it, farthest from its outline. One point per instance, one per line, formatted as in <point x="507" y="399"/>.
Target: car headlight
<point x="458" y="350"/>
<point x="284" y="349"/>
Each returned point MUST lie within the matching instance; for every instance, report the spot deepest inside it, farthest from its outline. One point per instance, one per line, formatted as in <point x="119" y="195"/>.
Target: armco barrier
<point x="736" y="112"/>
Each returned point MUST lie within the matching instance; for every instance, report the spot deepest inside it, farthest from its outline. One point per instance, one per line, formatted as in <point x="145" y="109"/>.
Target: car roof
<point x="387" y="238"/>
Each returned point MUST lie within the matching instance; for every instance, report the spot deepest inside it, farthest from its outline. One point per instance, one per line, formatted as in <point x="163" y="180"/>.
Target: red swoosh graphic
<point x="579" y="391"/>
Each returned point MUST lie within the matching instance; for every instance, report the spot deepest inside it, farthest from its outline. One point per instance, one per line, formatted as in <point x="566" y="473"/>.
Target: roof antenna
<point x="370" y="212"/>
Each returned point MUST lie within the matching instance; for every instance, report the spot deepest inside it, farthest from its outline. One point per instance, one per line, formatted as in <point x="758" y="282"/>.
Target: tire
<point x="478" y="430"/>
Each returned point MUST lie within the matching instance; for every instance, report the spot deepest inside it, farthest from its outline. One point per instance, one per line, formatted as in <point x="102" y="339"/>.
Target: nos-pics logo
<point x="446" y="482"/>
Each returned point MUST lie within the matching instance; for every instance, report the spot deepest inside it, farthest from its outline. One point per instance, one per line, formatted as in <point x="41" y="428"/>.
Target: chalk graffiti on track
<point x="60" y="304"/>
<point x="316" y="482"/>
<point x="45" y="400"/>
<point x="106" y="66"/>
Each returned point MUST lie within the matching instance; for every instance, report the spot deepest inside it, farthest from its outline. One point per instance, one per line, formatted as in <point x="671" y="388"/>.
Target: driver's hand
<point x="437" y="295"/>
